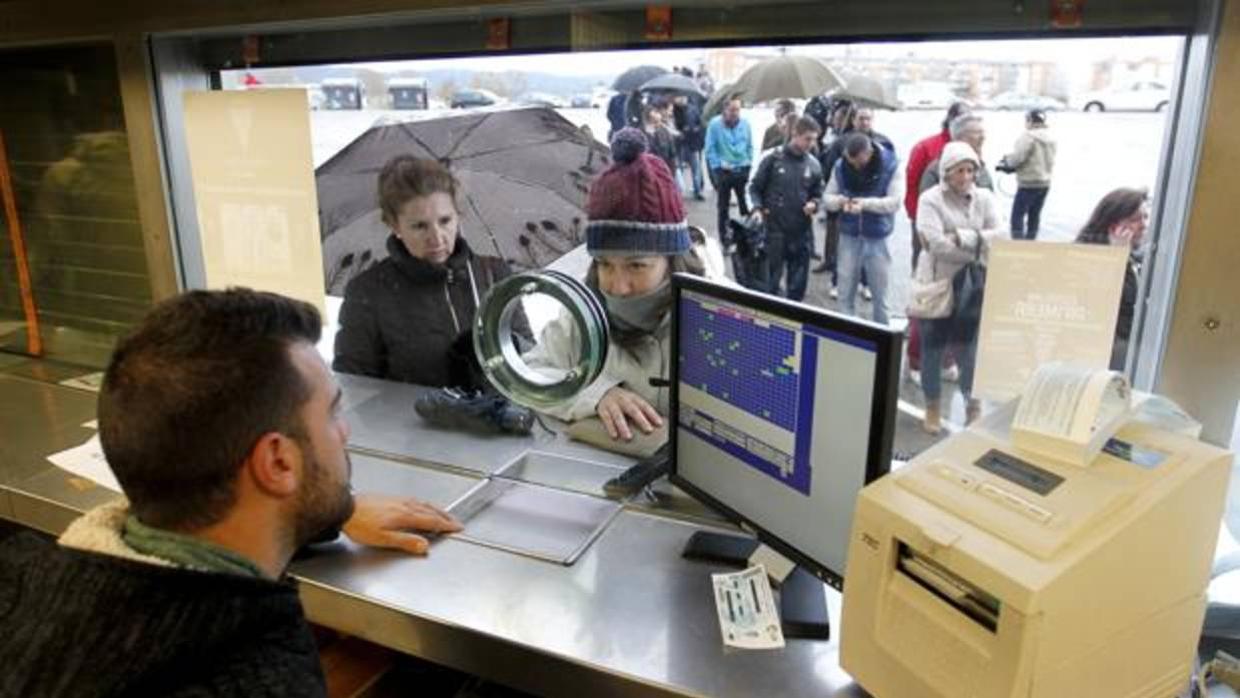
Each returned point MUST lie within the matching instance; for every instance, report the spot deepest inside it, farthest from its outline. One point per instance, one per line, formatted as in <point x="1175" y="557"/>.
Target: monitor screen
<point x="781" y="413"/>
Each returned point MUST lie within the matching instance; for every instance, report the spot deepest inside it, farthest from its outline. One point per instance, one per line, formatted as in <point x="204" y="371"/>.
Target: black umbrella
<point x="524" y="177"/>
<point x="632" y="79"/>
<point x="673" y="82"/>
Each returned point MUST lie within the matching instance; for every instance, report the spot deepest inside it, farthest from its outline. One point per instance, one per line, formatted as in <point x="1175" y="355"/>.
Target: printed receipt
<point x="1069" y="411"/>
<point x="746" y="607"/>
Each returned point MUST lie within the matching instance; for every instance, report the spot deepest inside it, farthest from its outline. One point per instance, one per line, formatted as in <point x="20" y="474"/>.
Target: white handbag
<point x="929" y="300"/>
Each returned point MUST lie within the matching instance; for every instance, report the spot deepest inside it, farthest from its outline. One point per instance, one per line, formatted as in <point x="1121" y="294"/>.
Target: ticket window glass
<point x="73" y="272"/>
<point x="1000" y="93"/>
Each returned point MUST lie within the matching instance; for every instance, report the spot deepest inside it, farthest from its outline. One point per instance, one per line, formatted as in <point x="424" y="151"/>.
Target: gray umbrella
<point x="524" y="177"/>
<point x="673" y="82"/>
<point x="787" y="76"/>
<point x="632" y="79"/>
<point x="864" y="90"/>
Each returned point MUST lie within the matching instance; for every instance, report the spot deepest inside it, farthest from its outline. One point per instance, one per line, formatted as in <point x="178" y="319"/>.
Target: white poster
<point x="251" y="158"/>
<point x="1046" y="302"/>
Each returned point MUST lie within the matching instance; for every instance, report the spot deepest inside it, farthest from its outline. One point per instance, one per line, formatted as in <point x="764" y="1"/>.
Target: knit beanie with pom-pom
<point x="634" y="207"/>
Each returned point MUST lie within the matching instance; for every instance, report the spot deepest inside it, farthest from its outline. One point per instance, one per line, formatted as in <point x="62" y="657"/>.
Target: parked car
<point x="1139" y="96"/>
<point x="474" y="98"/>
<point x="542" y="99"/>
<point x="1023" y="101"/>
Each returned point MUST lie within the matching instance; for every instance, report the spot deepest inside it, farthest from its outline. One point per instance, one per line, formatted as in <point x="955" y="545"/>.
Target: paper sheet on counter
<point x="87" y="461"/>
<point x="1045" y="302"/>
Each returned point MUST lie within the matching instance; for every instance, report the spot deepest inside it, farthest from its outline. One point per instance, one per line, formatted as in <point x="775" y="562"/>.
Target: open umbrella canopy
<point x="632" y="79"/>
<point x="864" y="90"/>
<point x="672" y="82"/>
<point x="792" y="77"/>
<point x="524" y="176"/>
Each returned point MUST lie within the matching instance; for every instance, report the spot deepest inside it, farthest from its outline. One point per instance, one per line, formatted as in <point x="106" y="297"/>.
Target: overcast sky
<point x="1073" y="53"/>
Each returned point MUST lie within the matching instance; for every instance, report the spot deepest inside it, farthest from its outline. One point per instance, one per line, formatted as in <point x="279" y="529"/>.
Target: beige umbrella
<point x="864" y="90"/>
<point x="787" y="76"/>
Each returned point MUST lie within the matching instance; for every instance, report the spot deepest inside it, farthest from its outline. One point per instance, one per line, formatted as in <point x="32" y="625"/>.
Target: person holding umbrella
<point x="401" y="317"/>
<point x="637" y="236"/>
<point x="729" y="155"/>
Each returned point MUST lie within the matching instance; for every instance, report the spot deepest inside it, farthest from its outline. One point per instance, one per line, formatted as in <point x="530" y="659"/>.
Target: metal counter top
<point x="630" y="617"/>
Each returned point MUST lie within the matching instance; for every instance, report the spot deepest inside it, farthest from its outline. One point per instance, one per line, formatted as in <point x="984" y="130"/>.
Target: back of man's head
<point x="856" y="143"/>
<point x="189" y="393"/>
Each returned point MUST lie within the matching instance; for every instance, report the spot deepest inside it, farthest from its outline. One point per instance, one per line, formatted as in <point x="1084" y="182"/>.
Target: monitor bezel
<point x="888" y="344"/>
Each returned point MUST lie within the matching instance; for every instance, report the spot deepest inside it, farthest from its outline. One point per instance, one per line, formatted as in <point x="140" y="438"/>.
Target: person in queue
<point x="637" y="235"/>
<point x="956" y="220"/>
<point x="786" y="191"/>
<point x="1121" y="218"/>
<point x="224" y="428"/>
<point x="1033" y="161"/>
<point x="777" y="133"/>
<point x="729" y="156"/>
<point x="401" y="318"/>
<point x="966" y="128"/>
<point x="866" y="188"/>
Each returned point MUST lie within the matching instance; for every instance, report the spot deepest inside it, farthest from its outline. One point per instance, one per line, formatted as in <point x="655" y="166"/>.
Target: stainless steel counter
<point x="630" y="617"/>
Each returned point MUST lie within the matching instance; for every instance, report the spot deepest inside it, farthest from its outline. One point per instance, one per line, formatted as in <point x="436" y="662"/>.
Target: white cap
<point x="955" y="153"/>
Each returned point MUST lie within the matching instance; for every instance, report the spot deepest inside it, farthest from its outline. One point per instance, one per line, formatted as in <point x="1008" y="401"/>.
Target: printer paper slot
<point x="960" y="593"/>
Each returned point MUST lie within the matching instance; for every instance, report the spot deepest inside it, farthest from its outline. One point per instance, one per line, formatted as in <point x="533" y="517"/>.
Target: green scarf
<point x="186" y="551"/>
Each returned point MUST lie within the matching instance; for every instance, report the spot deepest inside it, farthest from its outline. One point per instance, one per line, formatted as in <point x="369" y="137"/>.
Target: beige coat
<point x="1033" y="157"/>
<point x="955" y="230"/>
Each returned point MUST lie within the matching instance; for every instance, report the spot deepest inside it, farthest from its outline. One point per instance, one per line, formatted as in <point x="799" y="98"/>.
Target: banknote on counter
<point x="748" y="618"/>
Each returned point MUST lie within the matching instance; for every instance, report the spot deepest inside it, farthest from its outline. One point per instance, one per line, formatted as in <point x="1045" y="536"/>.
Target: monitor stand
<point x="802" y="604"/>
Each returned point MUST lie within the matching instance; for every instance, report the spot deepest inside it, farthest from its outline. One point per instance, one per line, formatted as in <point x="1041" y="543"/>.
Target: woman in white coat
<point x="956" y="221"/>
<point x="638" y="237"/>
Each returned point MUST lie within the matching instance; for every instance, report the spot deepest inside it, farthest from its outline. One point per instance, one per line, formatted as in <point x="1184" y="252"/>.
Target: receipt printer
<point x="983" y="570"/>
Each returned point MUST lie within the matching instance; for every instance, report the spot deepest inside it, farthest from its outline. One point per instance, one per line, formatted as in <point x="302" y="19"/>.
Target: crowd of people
<point x="828" y="164"/>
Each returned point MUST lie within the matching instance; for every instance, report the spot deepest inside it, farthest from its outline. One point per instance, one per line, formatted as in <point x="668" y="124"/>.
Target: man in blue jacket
<point x="785" y="193"/>
<point x="864" y="187"/>
<point x="729" y="155"/>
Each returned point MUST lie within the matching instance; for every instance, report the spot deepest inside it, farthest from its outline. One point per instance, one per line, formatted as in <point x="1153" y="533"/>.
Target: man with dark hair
<point x="865" y="187"/>
<point x="223" y="427"/>
<point x="785" y="192"/>
<point x="776" y="135"/>
<point x="687" y="117"/>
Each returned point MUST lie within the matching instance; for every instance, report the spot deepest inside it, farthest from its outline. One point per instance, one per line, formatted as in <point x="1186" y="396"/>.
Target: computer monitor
<point x="780" y="413"/>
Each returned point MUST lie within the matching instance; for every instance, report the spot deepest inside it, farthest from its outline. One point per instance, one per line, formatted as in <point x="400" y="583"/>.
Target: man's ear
<point x="275" y="465"/>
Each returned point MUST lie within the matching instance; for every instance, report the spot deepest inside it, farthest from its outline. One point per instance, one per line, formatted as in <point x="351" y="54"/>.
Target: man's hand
<point x="385" y="522"/>
<point x="759" y="215"/>
<point x="810" y="208"/>
<point x="852" y="206"/>
<point x="619" y="405"/>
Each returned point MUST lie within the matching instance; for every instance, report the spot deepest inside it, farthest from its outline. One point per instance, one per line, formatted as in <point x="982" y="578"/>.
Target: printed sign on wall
<point x="253" y="171"/>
